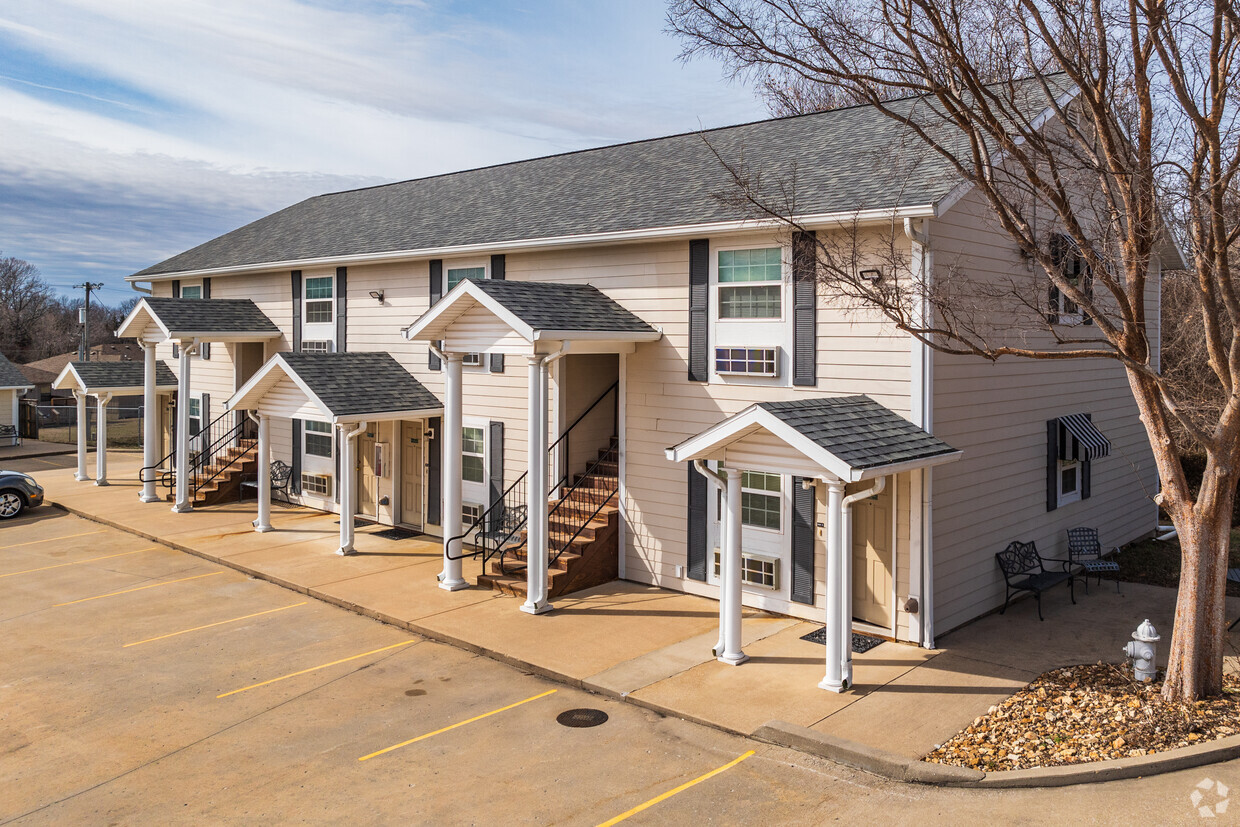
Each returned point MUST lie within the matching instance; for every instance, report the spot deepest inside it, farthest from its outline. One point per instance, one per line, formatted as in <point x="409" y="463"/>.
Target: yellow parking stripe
<point x="140" y="588"/>
<point x="454" y="726"/>
<point x="313" y="668"/>
<point x="78" y="562"/>
<point x="53" y="539"/>
<point x="209" y="625"/>
<point x="679" y="789"/>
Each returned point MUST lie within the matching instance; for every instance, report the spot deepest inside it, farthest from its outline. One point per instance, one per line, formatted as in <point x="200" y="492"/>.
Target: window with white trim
<point x="319" y="484"/>
<point x="761" y="500"/>
<point x="1069" y="481"/>
<point x="1074" y="270"/>
<point x="319" y="304"/>
<point x="470" y="512"/>
<point x="317" y="438"/>
<point x="195" y="415"/>
<point x="471" y="359"/>
<point x="750" y="283"/>
<point x="192" y="292"/>
<point x="456" y="275"/>
<point x="756" y="570"/>
<point x="751" y="361"/>
<point x="316" y="346"/>
<point x="473" y="453"/>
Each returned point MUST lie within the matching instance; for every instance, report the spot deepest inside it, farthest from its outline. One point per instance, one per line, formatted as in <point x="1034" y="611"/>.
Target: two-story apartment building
<point x="416" y="353"/>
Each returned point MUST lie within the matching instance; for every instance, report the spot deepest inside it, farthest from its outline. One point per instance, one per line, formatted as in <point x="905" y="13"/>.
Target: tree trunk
<point x="1195" y="661"/>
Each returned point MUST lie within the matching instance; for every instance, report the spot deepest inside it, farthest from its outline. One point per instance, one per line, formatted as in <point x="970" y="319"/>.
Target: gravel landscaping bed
<point x="1088" y="713"/>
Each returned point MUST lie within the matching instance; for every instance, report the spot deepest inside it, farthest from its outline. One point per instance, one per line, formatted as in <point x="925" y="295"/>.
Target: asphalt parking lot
<point x="144" y="685"/>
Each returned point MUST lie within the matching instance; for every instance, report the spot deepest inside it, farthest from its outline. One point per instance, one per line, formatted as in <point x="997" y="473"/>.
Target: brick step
<point x="562" y="563"/>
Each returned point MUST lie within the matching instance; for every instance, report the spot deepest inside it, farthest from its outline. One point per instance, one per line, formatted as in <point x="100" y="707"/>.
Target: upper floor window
<point x="751" y="283"/>
<point x="473" y="450"/>
<point x="194" y="292"/>
<point x="195" y="415"/>
<point x="456" y="275"/>
<point x="1075" y="271"/>
<point x="318" y="300"/>
<point x="316" y="346"/>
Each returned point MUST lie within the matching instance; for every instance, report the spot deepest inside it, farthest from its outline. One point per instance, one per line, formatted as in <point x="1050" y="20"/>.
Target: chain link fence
<point x="58" y="423"/>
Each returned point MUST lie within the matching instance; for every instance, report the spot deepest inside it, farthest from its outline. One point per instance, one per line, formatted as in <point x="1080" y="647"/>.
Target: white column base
<point x="82" y="477"/>
<point x="102" y="482"/>
<point x="150" y="498"/>
<point x="535" y="608"/>
<point x="733" y="660"/>
<point x="346" y="552"/>
<point x="182" y="508"/>
<point x="261" y="528"/>
<point x="832" y="687"/>
<point x="453" y="585"/>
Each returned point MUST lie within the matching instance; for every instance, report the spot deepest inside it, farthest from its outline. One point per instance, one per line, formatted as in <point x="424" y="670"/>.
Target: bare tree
<point x="1143" y="119"/>
<point x="24" y="300"/>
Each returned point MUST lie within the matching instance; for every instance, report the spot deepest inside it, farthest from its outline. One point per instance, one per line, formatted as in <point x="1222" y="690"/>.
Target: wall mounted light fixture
<point x="870" y="275"/>
<point x="377" y="295"/>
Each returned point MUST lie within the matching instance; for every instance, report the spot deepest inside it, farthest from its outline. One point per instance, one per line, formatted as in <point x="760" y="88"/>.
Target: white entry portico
<point x="539" y="322"/>
<point x="832" y="442"/>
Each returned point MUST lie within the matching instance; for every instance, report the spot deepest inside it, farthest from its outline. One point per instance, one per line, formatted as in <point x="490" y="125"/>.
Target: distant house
<point x="43" y="372"/>
<point x="12" y="385"/>
<point x="593" y="367"/>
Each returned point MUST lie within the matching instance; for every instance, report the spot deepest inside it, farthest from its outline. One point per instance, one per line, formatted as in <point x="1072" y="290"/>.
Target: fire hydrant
<point x="1143" y="651"/>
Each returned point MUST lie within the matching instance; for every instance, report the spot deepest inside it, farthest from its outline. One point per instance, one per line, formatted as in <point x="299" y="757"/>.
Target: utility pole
<point x="84" y="349"/>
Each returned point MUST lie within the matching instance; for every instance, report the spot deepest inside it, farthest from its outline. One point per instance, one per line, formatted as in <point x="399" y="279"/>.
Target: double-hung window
<point x="456" y="275"/>
<point x="761" y="500"/>
<point x="195" y="415"/>
<point x="751" y="283"/>
<point x="473" y="447"/>
<point x="1069" y="481"/>
<point x="319" y="304"/>
<point x="194" y="292"/>
<point x="1074" y="270"/>
<point x="317" y="437"/>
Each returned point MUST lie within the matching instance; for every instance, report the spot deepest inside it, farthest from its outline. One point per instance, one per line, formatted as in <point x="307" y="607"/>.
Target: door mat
<point x="397" y="534"/>
<point x="860" y="643"/>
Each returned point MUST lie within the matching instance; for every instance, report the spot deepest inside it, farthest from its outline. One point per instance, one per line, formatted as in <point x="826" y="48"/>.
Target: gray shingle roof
<point x="360" y="383"/>
<point x="554" y="306"/>
<point x="841" y="160"/>
<point x="858" y="430"/>
<point x="121" y="374"/>
<point x="10" y="376"/>
<point x="214" y="315"/>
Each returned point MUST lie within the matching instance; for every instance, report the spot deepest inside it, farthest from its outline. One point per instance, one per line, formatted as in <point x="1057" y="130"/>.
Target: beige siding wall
<point x="6" y="407"/>
<point x="996" y="413"/>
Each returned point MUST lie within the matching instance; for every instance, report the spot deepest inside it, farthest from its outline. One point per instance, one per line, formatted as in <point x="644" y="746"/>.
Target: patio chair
<point x="281" y="476"/>
<point x="1085" y="550"/>
<point x="1025" y="570"/>
<point x="10" y="433"/>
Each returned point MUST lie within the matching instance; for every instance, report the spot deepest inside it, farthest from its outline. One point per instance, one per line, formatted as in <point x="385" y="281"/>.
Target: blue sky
<point x="131" y="130"/>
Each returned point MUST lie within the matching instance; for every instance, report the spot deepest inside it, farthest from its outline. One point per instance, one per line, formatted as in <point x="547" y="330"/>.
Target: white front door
<point x="411" y="470"/>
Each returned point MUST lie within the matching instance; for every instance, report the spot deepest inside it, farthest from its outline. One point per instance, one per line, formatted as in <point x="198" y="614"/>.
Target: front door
<point x="367" y="479"/>
<point x="872" y="560"/>
<point x="411" y="466"/>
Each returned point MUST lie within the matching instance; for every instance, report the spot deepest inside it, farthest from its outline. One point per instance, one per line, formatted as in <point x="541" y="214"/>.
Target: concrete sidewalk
<point x="648" y="645"/>
<point x="31" y="448"/>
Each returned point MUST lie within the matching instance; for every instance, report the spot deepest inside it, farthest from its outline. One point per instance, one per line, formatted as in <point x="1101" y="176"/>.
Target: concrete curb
<point x="779" y="733"/>
<point x="43" y="454"/>
<point x="912" y="770"/>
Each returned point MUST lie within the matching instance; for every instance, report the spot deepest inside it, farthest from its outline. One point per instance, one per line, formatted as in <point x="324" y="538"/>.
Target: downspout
<point x="846" y="531"/>
<point x="720" y="482"/>
<point x="146" y="291"/>
<point x="347" y="500"/>
<point x="923" y="416"/>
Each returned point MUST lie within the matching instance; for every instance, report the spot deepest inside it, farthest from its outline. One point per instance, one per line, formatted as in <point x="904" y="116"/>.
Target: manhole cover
<point x="581" y="717"/>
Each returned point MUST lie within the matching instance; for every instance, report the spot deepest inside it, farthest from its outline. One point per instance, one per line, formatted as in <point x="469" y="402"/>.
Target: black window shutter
<point x="296" y="321"/>
<point x="342" y="308"/>
<point x="1052" y="464"/>
<point x="1085" y="470"/>
<point x="295" y="477"/>
<point x="176" y="289"/>
<point x="804" y="311"/>
<point x="497" y="266"/>
<point x="434" y="471"/>
<point x="176" y="350"/>
<point x="204" y="350"/>
<point x="699" y="316"/>
<point x="697" y="524"/>
<point x="497" y="363"/>
<point x="436" y="265"/>
<point x="206" y="417"/>
<point x="1059" y="256"/>
<point x="495" y="469"/>
<point x="337" y="445"/>
<point x="802" y="542"/>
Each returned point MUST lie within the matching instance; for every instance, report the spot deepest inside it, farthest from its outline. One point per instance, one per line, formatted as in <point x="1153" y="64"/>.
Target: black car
<point x="18" y="491"/>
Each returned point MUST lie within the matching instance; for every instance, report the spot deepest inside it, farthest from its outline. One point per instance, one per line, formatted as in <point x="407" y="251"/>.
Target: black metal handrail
<point x="586" y="495"/>
<point x="566" y="437"/>
<point x="206" y="446"/>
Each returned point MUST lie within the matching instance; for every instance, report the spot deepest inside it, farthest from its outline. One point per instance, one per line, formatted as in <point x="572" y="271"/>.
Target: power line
<point x="84" y="350"/>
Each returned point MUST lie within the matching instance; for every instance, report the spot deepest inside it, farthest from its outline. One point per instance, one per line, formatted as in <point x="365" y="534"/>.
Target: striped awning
<point x="1080" y="440"/>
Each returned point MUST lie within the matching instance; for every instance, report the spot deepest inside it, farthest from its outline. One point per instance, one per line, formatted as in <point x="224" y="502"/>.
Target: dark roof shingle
<point x="210" y="315"/>
<point x="360" y="383"/>
<point x="121" y="374"/>
<point x="555" y="306"/>
<point x="10" y="376"/>
<point x="858" y="430"/>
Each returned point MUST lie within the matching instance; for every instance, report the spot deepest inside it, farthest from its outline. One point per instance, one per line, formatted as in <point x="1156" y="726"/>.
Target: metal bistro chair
<point x="281" y="476"/>
<point x="504" y="532"/>
<point x="1085" y="550"/>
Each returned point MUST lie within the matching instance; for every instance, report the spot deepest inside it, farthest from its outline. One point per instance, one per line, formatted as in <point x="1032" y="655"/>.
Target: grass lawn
<point x="1158" y="563"/>
<point x="123" y="433"/>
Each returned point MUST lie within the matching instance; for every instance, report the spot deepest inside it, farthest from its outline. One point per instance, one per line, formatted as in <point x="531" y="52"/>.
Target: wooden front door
<point x="411" y="467"/>
<point x="367" y="479"/>
<point x="872" y="560"/>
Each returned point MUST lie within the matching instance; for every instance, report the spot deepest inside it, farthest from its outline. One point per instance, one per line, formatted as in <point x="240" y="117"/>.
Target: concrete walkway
<point x="647" y="645"/>
<point x="34" y="448"/>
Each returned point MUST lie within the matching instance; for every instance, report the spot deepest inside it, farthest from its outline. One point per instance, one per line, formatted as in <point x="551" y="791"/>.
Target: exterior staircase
<point x="223" y="475"/>
<point x="591" y="558"/>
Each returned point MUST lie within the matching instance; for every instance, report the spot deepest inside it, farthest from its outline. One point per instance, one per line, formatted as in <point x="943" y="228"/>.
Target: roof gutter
<point x="816" y="220"/>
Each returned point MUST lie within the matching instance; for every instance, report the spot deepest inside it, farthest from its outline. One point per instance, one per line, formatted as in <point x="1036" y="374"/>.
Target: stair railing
<point x="587" y="496"/>
<point x="205" y="447"/>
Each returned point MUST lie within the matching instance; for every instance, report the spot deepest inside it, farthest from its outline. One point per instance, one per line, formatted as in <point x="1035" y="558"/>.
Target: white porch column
<point x="834" y="678"/>
<point x="536" y="492"/>
<point x="451" y="578"/>
<point x="150" y="423"/>
<point x="82" y="427"/>
<point x="101" y="439"/>
<point x="348" y="487"/>
<point x="182" y="473"/>
<point x="263" y="523"/>
<point x="730" y="575"/>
